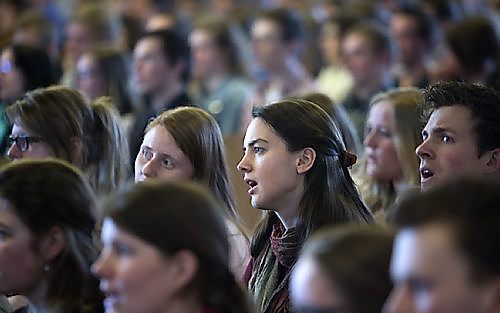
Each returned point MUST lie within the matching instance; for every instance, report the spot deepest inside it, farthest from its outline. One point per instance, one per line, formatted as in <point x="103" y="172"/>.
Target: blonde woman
<point x="393" y="131"/>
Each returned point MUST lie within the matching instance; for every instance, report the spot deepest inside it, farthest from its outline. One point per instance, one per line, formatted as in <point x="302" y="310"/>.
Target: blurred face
<point x="36" y="148"/>
<point x="134" y="275"/>
<point x="270" y="169"/>
<point x="88" y="78"/>
<point x="206" y="56"/>
<point x="312" y="291"/>
<point x="160" y="157"/>
<point x="78" y="39"/>
<point x="151" y="70"/>
<point x="21" y="269"/>
<point x="330" y="44"/>
<point x="431" y="276"/>
<point x="11" y="78"/>
<point x="268" y="46"/>
<point x="404" y="31"/>
<point x="382" y="161"/>
<point x="360" y="59"/>
<point x="449" y="147"/>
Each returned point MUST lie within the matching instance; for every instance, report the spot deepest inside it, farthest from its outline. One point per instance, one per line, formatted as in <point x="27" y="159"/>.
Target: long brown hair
<point x="181" y="216"/>
<point x="60" y="114"/>
<point x="330" y="196"/>
<point x="48" y="193"/>
<point x="198" y="135"/>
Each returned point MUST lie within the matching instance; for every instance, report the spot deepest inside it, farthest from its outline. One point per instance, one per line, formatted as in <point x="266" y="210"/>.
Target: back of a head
<point x="340" y="118"/>
<point x="198" y="135"/>
<point x="182" y="216"/>
<point x="48" y="193"/>
<point x="483" y="102"/>
<point x="475" y="43"/>
<point x="356" y="259"/>
<point x="470" y="210"/>
<point x="35" y="65"/>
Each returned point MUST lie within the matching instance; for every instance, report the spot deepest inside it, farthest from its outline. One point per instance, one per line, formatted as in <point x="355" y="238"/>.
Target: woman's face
<point x="36" y="147"/>
<point x="88" y="78"/>
<point x="160" y="157"/>
<point x="11" y="79"/>
<point x="21" y="268"/>
<point x="270" y="170"/>
<point x="134" y="275"/>
<point x="382" y="161"/>
<point x="312" y="291"/>
<point x="207" y="57"/>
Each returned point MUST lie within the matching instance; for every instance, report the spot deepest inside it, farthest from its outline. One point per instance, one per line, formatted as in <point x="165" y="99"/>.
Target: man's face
<point x="449" y="147"/>
<point x="431" y="276"/>
<point x="360" y="59"/>
<point x="409" y="45"/>
<point x="151" y="70"/>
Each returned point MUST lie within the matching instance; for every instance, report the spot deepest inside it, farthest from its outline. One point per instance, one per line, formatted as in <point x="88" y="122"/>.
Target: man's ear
<point x="305" y="160"/>
<point x="52" y="243"/>
<point x="493" y="163"/>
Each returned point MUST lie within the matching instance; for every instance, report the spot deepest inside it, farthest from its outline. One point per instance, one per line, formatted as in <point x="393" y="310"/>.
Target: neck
<point x="184" y="305"/>
<point x="159" y="99"/>
<point x="368" y="89"/>
<point x="38" y="296"/>
<point x="215" y="80"/>
<point x="288" y="210"/>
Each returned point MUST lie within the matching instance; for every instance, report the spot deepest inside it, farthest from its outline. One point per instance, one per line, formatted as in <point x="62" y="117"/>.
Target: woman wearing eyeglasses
<point x="58" y="122"/>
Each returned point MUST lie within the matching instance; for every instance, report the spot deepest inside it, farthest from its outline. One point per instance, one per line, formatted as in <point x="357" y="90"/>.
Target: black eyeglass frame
<point x="23" y="142"/>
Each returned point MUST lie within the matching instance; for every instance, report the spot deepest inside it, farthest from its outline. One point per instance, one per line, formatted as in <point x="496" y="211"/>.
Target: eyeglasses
<point x="23" y="142"/>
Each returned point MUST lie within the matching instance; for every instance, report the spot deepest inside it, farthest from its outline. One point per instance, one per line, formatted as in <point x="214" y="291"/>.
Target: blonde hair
<point x="406" y="104"/>
<point x="60" y="114"/>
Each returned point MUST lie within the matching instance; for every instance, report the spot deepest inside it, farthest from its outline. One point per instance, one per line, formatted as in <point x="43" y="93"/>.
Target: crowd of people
<point x="370" y="137"/>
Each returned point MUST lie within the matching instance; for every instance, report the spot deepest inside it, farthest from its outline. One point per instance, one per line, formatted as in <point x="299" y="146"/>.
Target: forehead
<point x="382" y="111"/>
<point x="161" y="140"/>
<point x="148" y="45"/>
<point x="259" y="129"/>
<point x="456" y="117"/>
<point x="263" y="27"/>
<point x="427" y="251"/>
<point x="7" y="216"/>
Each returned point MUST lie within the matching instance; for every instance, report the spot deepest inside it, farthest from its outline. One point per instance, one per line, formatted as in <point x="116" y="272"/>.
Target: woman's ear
<point x="77" y="152"/>
<point x="493" y="164"/>
<point x="52" y="243"/>
<point x="306" y="160"/>
<point x="184" y="268"/>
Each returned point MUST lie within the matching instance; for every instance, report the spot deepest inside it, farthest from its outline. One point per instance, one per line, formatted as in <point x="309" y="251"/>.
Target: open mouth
<point x="426" y="173"/>
<point x="252" y="184"/>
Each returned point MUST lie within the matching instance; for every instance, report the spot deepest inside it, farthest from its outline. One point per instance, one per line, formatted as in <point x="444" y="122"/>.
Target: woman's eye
<point x="447" y="139"/>
<point x="257" y="149"/>
<point x="167" y="163"/>
<point x="146" y="154"/>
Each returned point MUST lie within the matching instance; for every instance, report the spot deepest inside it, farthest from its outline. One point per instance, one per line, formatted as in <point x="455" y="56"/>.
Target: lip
<point x="252" y="184"/>
<point x="425" y="178"/>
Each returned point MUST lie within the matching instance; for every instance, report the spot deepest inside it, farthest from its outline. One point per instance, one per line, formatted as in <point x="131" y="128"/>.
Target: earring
<point x="46" y="268"/>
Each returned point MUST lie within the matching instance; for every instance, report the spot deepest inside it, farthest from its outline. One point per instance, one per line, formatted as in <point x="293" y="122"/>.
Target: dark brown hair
<point x="51" y="193"/>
